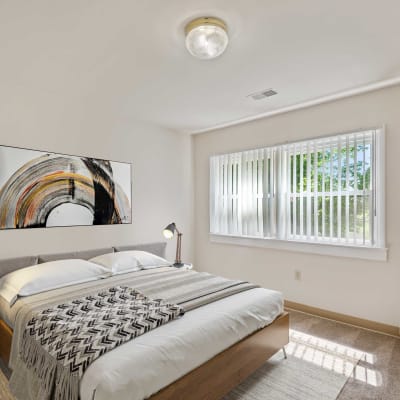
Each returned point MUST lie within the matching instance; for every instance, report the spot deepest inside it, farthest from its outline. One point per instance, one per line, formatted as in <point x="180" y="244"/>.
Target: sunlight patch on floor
<point x="334" y="357"/>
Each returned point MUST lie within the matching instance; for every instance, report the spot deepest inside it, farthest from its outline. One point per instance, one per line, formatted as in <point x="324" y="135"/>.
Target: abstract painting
<point x="41" y="189"/>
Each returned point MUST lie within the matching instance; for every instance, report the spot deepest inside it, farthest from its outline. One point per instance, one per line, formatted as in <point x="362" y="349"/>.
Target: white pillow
<point x="117" y="263"/>
<point x="129" y="261"/>
<point x="47" y="276"/>
<point x="148" y="260"/>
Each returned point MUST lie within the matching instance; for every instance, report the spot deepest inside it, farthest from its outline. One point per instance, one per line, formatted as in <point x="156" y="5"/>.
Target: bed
<point x="243" y="331"/>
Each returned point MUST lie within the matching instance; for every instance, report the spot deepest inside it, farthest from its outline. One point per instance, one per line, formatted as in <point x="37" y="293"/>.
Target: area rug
<point x="316" y="369"/>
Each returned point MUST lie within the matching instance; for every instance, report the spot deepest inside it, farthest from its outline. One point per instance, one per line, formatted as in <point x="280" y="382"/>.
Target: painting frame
<point x="96" y="182"/>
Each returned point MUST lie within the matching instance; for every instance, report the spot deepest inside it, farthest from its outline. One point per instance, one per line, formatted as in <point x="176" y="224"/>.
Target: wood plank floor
<point x="377" y="377"/>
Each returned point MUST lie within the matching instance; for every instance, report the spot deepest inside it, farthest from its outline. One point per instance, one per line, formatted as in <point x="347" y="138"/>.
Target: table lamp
<point x="169" y="233"/>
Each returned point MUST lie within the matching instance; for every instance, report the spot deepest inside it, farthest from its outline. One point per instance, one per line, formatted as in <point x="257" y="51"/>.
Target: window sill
<point x="366" y="253"/>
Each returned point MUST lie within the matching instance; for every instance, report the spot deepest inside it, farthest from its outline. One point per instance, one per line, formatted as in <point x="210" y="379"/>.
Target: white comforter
<point x="143" y="366"/>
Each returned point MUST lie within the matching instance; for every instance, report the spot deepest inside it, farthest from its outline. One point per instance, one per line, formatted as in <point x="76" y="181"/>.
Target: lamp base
<point x="185" y="266"/>
<point x="178" y="265"/>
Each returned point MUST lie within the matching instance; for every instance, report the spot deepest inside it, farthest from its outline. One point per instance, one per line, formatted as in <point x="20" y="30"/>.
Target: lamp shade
<point x="169" y="230"/>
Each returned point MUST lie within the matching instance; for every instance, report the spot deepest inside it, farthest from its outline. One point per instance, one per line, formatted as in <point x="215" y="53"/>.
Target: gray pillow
<point x="12" y="264"/>
<point x="84" y="255"/>
<point x="157" y="248"/>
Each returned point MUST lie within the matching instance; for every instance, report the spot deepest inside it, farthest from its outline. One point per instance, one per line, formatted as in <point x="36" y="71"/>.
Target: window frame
<point x="377" y="251"/>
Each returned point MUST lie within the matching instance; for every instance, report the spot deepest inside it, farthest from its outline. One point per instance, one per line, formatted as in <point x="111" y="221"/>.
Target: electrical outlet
<point x="297" y="275"/>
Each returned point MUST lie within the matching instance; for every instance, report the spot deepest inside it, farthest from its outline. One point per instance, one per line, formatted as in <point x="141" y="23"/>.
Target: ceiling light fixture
<point x="206" y="37"/>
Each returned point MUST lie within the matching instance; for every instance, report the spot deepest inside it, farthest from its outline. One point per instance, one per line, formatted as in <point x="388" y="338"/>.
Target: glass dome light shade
<point x="206" y="38"/>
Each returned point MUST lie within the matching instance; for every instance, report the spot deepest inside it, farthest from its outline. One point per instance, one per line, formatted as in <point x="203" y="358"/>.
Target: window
<point x="322" y="190"/>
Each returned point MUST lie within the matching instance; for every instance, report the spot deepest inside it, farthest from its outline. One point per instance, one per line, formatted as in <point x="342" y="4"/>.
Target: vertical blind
<point x="319" y="190"/>
<point x="242" y="193"/>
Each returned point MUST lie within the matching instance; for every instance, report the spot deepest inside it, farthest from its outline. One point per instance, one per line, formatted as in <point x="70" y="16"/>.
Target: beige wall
<point x="365" y="289"/>
<point x="161" y="173"/>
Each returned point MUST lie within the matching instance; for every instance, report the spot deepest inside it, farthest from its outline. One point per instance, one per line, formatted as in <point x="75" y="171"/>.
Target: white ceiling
<point x="127" y="57"/>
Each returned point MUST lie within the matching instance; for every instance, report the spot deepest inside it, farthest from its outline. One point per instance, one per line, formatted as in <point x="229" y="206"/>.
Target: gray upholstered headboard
<point x="12" y="264"/>
<point x="156" y="248"/>
<point x="84" y="255"/>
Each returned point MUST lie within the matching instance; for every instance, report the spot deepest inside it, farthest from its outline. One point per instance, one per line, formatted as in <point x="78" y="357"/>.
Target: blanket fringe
<point x="57" y="381"/>
<point x="40" y="361"/>
<point x="67" y="385"/>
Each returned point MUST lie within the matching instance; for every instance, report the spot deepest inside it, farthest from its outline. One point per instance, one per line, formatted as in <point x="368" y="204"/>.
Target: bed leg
<point x="284" y="353"/>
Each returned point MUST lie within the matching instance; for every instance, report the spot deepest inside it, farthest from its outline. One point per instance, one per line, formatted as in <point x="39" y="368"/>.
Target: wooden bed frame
<point x="5" y="341"/>
<point x="215" y="378"/>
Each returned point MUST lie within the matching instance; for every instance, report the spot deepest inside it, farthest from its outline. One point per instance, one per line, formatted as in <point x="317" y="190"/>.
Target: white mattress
<point x="143" y="366"/>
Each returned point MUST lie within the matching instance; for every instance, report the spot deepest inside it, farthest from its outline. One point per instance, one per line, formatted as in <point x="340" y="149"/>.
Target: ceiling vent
<point x="263" y="94"/>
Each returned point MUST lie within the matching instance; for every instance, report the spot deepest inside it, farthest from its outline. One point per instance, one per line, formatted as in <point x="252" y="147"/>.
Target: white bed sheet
<point x="143" y="366"/>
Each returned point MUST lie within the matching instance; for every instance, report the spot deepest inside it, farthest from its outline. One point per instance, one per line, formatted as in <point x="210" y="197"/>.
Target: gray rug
<point x="291" y="379"/>
<point x="315" y="369"/>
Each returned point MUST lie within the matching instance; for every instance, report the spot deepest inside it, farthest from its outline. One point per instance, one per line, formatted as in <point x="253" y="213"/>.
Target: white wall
<point x="365" y="289"/>
<point x="161" y="169"/>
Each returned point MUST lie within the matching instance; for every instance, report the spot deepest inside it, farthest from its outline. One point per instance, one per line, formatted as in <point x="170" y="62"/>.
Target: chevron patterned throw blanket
<point x="59" y="343"/>
<point x="58" y="334"/>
